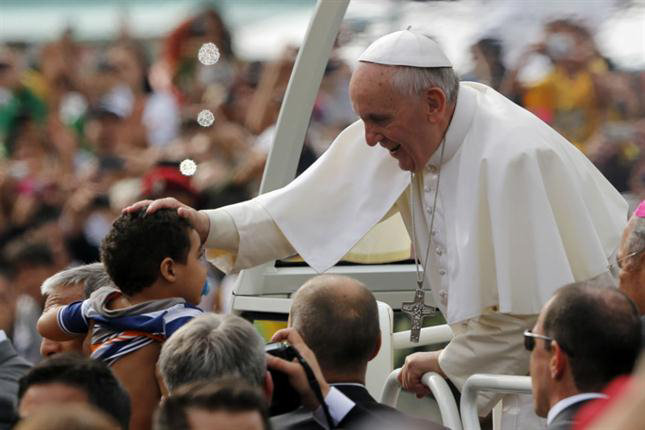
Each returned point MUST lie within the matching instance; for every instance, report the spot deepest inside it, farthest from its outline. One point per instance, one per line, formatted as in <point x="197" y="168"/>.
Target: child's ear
<point x="167" y="269"/>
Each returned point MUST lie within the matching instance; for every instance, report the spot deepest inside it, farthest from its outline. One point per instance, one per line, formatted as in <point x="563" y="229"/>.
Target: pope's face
<point x="401" y="124"/>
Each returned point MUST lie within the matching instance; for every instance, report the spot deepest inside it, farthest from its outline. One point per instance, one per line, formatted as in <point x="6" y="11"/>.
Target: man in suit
<point x="337" y="318"/>
<point x="215" y="346"/>
<point x="587" y="334"/>
<point x="12" y="367"/>
<point x="630" y="262"/>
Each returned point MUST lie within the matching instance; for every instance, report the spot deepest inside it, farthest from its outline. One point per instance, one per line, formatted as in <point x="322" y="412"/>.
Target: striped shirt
<point x="117" y="332"/>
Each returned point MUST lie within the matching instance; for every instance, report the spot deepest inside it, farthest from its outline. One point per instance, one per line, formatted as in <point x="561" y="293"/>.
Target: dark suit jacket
<point x="12" y="367"/>
<point x="367" y="409"/>
<point x="565" y="419"/>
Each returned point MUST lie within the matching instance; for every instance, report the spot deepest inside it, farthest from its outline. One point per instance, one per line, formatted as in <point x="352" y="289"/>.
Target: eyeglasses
<point x="614" y="268"/>
<point x="529" y="340"/>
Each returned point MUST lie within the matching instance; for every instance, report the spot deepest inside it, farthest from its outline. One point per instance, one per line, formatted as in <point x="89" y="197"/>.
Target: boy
<point x="156" y="261"/>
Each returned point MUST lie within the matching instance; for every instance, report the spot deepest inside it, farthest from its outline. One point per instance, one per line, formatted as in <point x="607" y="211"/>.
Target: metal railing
<point x="506" y="384"/>
<point x="439" y="389"/>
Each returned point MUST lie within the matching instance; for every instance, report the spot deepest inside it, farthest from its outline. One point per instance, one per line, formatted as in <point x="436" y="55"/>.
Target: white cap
<point x="405" y="48"/>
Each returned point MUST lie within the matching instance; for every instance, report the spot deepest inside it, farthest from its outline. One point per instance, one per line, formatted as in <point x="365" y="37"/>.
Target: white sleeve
<point x="244" y="235"/>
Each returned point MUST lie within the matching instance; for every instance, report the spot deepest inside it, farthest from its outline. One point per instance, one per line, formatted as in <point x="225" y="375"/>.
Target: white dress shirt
<point x="566" y="402"/>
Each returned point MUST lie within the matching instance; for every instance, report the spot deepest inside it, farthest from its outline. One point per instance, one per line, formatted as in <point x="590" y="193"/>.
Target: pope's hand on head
<point x="416" y="365"/>
<point x="295" y="371"/>
<point x="198" y="219"/>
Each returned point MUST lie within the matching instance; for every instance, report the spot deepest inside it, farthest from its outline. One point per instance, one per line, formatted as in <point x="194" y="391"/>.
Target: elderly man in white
<point x="502" y="210"/>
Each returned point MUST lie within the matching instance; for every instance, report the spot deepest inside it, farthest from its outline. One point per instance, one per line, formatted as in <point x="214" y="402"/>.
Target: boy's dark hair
<point x="93" y="377"/>
<point x="227" y="394"/>
<point x="137" y="243"/>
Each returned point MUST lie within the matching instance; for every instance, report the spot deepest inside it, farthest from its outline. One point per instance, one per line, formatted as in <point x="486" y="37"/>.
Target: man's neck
<point x="561" y="393"/>
<point x="344" y="378"/>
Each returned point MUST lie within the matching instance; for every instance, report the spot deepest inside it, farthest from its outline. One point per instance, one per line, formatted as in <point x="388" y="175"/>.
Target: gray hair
<point x="212" y="346"/>
<point x="92" y="276"/>
<point x="635" y="240"/>
<point x="413" y="81"/>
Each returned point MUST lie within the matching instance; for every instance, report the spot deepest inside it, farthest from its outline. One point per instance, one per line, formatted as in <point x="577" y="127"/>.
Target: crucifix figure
<point x="417" y="310"/>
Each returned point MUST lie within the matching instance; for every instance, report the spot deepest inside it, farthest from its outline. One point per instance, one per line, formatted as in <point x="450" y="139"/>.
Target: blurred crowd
<point x="589" y="100"/>
<point x="88" y="128"/>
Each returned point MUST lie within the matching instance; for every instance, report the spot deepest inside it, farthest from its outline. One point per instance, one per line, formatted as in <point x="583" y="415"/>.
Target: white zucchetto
<point x="405" y="48"/>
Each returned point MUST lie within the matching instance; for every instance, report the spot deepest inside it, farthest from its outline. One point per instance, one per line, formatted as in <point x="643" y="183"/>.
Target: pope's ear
<point x="435" y="101"/>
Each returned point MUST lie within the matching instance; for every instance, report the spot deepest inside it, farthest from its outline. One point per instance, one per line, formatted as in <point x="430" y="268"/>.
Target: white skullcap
<point x="405" y="48"/>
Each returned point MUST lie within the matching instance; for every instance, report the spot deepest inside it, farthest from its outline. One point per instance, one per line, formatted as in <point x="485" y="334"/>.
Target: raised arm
<point x="62" y="323"/>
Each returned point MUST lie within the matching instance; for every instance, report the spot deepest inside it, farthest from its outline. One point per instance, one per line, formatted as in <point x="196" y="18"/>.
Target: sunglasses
<point x="529" y="340"/>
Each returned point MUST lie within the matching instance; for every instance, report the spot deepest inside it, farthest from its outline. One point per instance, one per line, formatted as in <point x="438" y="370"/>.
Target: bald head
<point x="337" y="317"/>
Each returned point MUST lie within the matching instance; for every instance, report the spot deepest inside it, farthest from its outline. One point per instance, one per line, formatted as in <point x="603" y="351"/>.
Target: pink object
<point x="640" y="210"/>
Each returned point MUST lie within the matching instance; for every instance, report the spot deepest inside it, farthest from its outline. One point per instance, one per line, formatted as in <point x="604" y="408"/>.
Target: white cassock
<point x="520" y="213"/>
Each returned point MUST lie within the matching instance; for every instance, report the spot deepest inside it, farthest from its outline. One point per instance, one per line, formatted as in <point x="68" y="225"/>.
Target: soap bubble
<point x="187" y="167"/>
<point x="206" y="118"/>
<point x="208" y="54"/>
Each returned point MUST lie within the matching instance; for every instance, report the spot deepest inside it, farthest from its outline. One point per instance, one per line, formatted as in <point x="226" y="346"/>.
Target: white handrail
<point x="507" y="384"/>
<point x="391" y="389"/>
<point x="439" y="389"/>
<point x="445" y="399"/>
<point x="428" y="336"/>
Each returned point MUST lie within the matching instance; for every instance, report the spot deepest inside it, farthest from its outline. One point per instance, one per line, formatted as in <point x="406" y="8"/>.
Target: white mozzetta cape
<point x="525" y="212"/>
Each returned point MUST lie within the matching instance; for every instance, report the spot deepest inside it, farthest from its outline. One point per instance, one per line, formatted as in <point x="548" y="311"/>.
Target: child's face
<point x="193" y="273"/>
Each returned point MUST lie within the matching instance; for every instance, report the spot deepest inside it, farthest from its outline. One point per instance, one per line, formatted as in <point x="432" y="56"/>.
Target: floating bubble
<point x="208" y="54"/>
<point x="205" y="118"/>
<point x="187" y="167"/>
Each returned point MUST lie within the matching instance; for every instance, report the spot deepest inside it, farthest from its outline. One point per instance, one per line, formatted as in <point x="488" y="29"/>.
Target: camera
<point x="285" y="398"/>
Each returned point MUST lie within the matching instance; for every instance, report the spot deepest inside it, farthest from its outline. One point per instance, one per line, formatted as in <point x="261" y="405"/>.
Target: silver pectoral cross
<point x="417" y="310"/>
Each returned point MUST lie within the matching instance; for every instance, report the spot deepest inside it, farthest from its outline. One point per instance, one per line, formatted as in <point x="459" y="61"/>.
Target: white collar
<point x="356" y="384"/>
<point x="568" y="401"/>
<point x="459" y="124"/>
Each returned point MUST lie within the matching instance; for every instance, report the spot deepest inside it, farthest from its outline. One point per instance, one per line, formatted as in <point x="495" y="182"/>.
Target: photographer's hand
<point x="295" y="371"/>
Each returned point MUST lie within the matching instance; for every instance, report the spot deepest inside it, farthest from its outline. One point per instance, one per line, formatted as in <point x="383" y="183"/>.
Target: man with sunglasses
<point x="587" y="334"/>
<point x="630" y="262"/>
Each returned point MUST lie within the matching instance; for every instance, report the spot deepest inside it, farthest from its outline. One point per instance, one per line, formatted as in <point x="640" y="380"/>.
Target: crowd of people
<point x="129" y="335"/>
<point x="87" y="129"/>
<point x="213" y="371"/>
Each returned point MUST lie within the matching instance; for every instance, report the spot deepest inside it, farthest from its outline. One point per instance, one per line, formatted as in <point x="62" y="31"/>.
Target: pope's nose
<point x="372" y="138"/>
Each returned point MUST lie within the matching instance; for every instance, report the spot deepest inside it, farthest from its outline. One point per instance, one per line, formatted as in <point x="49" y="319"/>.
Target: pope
<point x="502" y="209"/>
